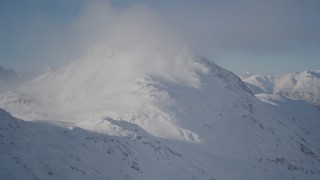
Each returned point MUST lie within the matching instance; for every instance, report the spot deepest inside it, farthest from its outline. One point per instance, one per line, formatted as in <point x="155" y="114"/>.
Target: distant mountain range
<point x="10" y="79"/>
<point x="304" y="86"/>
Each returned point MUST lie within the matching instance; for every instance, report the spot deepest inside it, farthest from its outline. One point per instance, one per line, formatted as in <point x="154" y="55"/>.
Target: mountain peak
<point x="141" y="83"/>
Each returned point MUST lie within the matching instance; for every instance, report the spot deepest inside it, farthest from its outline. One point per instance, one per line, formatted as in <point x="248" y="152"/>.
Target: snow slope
<point x="44" y="151"/>
<point x="304" y="86"/>
<point x="162" y="111"/>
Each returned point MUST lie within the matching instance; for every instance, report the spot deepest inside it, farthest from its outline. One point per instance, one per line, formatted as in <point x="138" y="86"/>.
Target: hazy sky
<point x="270" y="36"/>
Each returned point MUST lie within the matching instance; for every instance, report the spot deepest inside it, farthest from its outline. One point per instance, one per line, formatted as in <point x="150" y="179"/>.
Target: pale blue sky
<point x="268" y="36"/>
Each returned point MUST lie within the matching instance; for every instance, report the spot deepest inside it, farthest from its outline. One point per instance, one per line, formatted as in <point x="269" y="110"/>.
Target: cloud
<point x="251" y="26"/>
<point x="55" y="32"/>
<point x="98" y="22"/>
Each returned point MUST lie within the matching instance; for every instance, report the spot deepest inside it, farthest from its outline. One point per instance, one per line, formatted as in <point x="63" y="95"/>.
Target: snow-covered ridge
<point x="304" y="85"/>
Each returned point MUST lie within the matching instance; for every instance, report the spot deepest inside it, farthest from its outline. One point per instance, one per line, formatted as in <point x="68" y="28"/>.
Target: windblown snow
<point x="153" y="110"/>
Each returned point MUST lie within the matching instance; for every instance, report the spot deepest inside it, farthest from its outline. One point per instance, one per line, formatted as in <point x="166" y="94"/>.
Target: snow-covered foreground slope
<point x="249" y="149"/>
<point x="153" y="110"/>
<point x="304" y="86"/>
<point x="44" y="151"/>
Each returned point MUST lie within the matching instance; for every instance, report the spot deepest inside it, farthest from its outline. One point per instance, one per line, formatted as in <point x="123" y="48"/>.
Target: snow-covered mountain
<point x="260" y="83"/>
<point x="133" y="83"/>
<point x="9" y="79"/>
<point x="150" y="109"/>
<point x="304" y="86"/>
